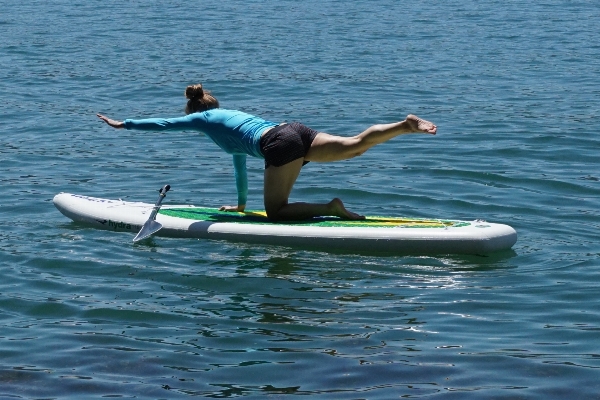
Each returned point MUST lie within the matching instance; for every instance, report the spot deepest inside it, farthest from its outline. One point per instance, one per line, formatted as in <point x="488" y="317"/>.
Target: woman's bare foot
<point x="337" y="208"/>
<point x="420" y="125"/>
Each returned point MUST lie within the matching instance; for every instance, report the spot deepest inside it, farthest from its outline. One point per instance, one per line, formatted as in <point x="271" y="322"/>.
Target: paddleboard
<point x="393" y="235"/>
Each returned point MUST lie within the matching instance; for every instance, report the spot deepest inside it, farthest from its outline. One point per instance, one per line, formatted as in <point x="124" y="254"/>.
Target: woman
<point x="285" y="149"/>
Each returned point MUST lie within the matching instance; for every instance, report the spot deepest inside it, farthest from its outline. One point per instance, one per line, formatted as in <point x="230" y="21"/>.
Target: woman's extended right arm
<point x="191" y="121"/>
<point x="111" y="122"/>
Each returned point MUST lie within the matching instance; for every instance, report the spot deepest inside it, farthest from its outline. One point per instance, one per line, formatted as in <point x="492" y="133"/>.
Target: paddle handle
<point x="163" y="191"/>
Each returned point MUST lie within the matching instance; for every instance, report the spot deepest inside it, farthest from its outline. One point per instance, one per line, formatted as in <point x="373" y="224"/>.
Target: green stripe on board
<point x="258" y="217"/>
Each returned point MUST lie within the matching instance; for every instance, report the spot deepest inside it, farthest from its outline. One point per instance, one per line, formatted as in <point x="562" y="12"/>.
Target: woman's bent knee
<point x="272" y="213"/>
<point x="272" y="209"/>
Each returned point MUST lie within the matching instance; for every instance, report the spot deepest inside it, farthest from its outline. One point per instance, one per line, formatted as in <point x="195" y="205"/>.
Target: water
<point x="514" y="90"/>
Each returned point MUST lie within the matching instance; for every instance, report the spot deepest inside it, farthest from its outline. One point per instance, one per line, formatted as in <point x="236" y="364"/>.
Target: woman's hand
<point x="233" y="208"/>
<point x="111" y="122"/>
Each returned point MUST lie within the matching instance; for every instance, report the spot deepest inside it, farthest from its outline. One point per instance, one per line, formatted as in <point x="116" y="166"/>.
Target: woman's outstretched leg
<point x="278" y="186"/>
<point x="327" y="147"/>
<point x="280" y="180"/>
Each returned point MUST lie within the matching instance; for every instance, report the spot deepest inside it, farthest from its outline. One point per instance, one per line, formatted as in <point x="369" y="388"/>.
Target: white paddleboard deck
<point x="374" y="234"/>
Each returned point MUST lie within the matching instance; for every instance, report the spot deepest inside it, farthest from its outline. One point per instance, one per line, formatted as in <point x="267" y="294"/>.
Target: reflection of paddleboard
<point x="374" y="234"/>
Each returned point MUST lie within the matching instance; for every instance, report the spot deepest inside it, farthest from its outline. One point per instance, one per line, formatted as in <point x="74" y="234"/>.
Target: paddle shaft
<point x="161" y="195"/>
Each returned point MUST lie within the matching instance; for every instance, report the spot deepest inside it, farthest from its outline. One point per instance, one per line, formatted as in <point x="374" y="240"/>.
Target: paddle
<point x="151" y="226"/>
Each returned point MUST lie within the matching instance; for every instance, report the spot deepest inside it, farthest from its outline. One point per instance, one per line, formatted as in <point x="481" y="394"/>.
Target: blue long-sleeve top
<point x="235" y="132"/>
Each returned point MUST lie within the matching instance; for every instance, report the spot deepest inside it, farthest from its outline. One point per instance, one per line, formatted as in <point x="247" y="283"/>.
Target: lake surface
<point x="514" y="89"/>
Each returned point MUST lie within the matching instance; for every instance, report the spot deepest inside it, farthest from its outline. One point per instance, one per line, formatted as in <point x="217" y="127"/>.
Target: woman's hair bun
<point x="194" y="92"/>
<point x="199" y="99"/>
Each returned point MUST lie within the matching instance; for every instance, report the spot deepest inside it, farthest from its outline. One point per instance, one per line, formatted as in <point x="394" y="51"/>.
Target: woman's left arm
<point x="241" y="182"/>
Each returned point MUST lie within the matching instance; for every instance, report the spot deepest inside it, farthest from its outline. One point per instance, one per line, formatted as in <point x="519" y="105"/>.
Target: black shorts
<point x="286" y="143"/>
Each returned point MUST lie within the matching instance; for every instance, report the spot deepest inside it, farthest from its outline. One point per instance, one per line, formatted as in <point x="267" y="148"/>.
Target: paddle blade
<point x="150" y="227"/>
